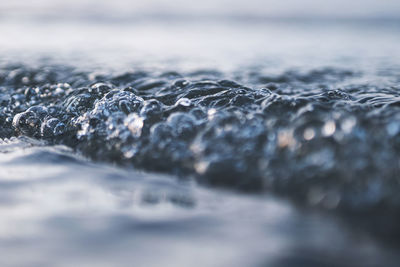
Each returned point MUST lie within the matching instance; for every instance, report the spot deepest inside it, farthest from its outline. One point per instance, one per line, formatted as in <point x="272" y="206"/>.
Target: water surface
<point x="229" y="143"/>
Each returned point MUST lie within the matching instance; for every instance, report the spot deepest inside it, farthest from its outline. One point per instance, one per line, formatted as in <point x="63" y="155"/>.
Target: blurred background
<point x="123" y="9"/>
<point x="211" y="33"/>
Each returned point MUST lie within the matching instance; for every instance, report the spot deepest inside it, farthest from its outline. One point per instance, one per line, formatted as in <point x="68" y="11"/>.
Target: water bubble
<point x="309" y="134"/>
<point x="211" y="113"/>
<point x="39" y="111"/>
<point x="151" y="109"/>
<point x="285" y="139"/>
<point x="348" y="124"/>
<point x="100" y="88"/>
<point x="52" y="127"/>
<point x="329" y="128"/>
<point x="393" y="128"/>
<point x="183" y="102"/>
<point x="134" y="124"/>
<point x="26" y="122"/>
<point x="183" y="125"/>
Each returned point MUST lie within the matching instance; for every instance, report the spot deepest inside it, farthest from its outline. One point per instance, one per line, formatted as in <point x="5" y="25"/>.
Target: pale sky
<point x="268" y="8"/>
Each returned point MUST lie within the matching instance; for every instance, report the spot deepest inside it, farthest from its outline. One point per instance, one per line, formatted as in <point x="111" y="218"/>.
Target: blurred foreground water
<point x="291" y="128"/>
<point x="59" y="209"/>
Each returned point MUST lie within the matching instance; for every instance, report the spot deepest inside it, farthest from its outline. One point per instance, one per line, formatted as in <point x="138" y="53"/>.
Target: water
<point x="225" y="143"/>
<point x="68" y="211"/>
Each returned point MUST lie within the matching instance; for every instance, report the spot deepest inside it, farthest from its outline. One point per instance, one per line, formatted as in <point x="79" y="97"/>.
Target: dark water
<point x="293" y="133"/>
<point x="273" y="149"/>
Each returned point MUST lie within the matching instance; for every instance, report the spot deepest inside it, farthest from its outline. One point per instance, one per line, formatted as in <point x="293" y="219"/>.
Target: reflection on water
<point x="68" y="212"/>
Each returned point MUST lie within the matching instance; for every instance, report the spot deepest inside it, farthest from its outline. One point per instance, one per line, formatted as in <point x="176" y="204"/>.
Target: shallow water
<point x="67" y="211"/>
<point x="237" y="143"/>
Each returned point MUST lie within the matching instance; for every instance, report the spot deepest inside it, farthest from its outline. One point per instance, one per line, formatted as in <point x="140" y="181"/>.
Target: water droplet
<point x="329" y="128"/>
<point x="309" y="134"/>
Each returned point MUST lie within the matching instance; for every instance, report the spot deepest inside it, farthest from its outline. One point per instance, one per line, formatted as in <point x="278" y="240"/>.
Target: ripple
<point x="321" y="137"/>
